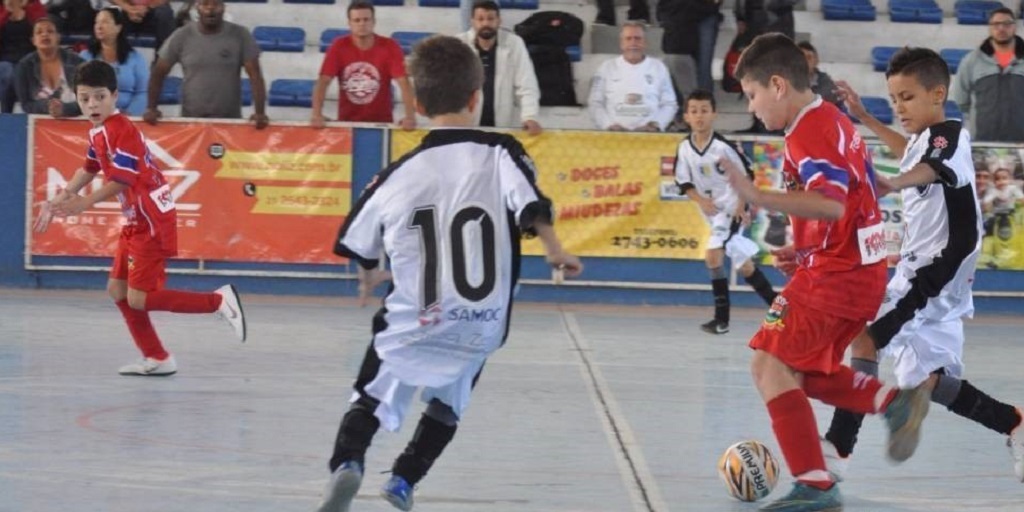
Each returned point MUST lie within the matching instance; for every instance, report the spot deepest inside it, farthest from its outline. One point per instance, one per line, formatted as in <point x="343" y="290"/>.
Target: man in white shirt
<point x="632" y="92"/>
<point x="511" y="95"/>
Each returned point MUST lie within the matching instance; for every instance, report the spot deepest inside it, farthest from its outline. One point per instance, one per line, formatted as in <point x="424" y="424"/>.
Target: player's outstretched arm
<point x="920" y="174"/>
<point x="895" y="140"/>
<point x="75" y="204"/>
<point x="556" y="256"/>
<point x="806" y="204"/>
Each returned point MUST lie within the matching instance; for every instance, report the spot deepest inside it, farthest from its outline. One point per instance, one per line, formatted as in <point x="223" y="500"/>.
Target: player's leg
<point x="155" y="361"/>
<point x="741" y="250"/>
<point x="358" y="426"/>
<point x="435" y="431"/>
<point x="224" y="301"/>
<point x="756" y="279"/>
<point x="841" y="437"/>
<point x="714" y="258"/>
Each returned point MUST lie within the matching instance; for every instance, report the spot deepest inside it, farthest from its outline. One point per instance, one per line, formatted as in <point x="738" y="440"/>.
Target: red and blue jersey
<point x="842" y="262"/>
<point x="118" y="149"/>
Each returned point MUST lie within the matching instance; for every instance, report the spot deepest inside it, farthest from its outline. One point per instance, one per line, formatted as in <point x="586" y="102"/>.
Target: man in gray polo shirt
<point x="211" y="53"/>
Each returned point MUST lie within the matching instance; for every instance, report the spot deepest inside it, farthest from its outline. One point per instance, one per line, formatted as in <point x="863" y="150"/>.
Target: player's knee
<point x="863" y="346"/>
<point x="714" y="257"/>
<point x="137" y="300"/>
<point x="747" y="268"/>
<point x="441" y="412"/>
<point x="716" y="272"/>
<point x="116" y="291"/>
<point x="764" y="368"/>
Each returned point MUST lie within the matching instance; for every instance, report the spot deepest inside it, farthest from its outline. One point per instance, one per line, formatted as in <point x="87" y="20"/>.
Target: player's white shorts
<point x="395" y="396"/>
<point x="922" y="343"/>
<point x="729" y="234"/>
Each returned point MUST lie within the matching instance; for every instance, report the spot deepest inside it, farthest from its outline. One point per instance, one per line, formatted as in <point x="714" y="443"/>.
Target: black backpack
<point x="553" y="68"/>
<point x="554" y="28"/>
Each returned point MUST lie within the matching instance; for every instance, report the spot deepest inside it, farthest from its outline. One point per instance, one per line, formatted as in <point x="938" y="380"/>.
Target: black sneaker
<point x="715" y="327"/>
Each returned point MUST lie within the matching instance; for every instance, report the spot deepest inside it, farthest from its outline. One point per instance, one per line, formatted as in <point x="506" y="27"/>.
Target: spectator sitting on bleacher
<point x="110" y="44"/>
<point x="821" y="83"/>
<point x="44" y="79"/>
<point x="151" y="17"/>
<point x="16" y="19"/>
<point x="509" y="80"/>
<point x="632" y="92"/>
<point x="991" y="78"/>
<point x="212" y="53"/>
<point x="364" y="63"/>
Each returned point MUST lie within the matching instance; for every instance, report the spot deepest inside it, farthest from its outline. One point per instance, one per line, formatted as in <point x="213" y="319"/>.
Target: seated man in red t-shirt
<point x="364" y="64"/>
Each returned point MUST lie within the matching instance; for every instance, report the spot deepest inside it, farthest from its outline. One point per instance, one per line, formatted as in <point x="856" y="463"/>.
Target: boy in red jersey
<point x="118" y="149"/>
<point x="837" y="268"/>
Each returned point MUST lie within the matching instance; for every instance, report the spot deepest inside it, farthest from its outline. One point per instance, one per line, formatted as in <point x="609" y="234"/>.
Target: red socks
<point x="182" y="302"/>
<point x="797" y="433"/>
<point x="850" y="390"/>
<point x="142" y="331"/>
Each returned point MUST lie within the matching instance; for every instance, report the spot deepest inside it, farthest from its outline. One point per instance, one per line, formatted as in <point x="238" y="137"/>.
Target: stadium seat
<point x="407" y="39"/>
<point x="142" y="40"/>
<point x="246" y="92"/>
<point x="953" y="56"/>
<point x="439" y="3"/>
<point x="575" y="52"/>
<point x="280" y="39"/>
<point x="878" y="107"/>
<point x="880" y="56"/>
<point x="848" y="10"/>
<point x="974" y="12"/>
<point x="291" y="93"/>
<point x="953" y="111"/>
<point x="171" y="92"/>
<point x="519" y="4"/>
<point x="379" y="3"/>
<point x="329" y="35"/>
<point x="310" y="1"/>
<point x="915" y="11"/>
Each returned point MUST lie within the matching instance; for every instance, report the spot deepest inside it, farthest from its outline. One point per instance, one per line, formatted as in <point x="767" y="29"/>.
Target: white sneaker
<point x="837" y="466"/>
<point x="1016" y="444"/>
<point x="231" y="310"/>
<point x="150" y="367"/>
<point x="342" y="488"/>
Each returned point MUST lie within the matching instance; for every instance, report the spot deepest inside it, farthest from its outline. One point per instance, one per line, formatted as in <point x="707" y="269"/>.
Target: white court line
<point x="637" y="477"/>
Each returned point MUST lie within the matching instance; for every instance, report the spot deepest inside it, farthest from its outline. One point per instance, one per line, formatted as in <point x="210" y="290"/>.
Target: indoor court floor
<point x="585" y="409"/>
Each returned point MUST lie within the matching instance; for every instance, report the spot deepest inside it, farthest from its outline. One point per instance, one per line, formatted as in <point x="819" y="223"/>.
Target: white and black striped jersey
<point x="448" y="215"/>
<point x="698" y="168"/>
<point x="943" y="226"/>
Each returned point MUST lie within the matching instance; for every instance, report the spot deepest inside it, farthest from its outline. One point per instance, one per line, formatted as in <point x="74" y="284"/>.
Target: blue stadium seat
<point x="246" y="92"/>
<point x="310" y="1"/>
<point x="379" y="3"/>
<point x="72" y="39"/>
<point x="171" y="92"/>
<point x="142" y="40"/>
<point x="575" y="52"/>
<point x="974" y="12"/>
<point x="280" y="39"/>
<point x="439" y="3"/>
<point x="880" y="56"/>
<point x="953" y="56"/>
<point x="915" y="11"/>
<point x="291" y="93"/>
<point x="953" y="111"/>
<point x="407" y="39"/>
<point x="519" y="4"/>
<point x="849" y="10"/>
<point x="329" y="35"/>
<point x="878" y="107"/>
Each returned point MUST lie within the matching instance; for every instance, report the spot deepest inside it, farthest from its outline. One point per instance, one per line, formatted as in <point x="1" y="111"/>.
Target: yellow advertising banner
<point x="614" y="193"/>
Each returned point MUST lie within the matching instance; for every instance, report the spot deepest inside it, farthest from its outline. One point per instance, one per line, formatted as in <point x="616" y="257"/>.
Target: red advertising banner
<point x="272" y="195"/>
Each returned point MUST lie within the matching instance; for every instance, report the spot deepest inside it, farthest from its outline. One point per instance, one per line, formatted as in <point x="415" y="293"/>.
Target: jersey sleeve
<point x="821" y="167"/>
<point x="127" y="153"/>
<point x="945" y="149"/>
<point x="92" y="163"/>
<point x="519" y="188"/>
<point x="361" y="236"/>
<point x="684" y="174"/>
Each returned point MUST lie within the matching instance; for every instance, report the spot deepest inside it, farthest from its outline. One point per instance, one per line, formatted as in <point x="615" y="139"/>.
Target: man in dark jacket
<point x="690" y="29"/>
<point x="991" y="79"/>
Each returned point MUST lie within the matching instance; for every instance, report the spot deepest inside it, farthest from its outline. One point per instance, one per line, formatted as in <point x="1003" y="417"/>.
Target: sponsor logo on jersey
<point x="474" y="315"/>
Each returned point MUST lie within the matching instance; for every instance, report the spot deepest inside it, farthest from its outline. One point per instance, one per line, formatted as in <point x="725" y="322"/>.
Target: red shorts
<point x="807" y="340"/>
<point x="144" y="273"/>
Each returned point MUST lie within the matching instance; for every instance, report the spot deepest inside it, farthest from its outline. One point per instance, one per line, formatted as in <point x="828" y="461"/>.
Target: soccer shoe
<point x="804" y="498"/>
<point x="1016" y="444"/>
<point x="834" y="463"/>
<point x="398" y="492"/>
<point x="231" y="309"/>
<point x="715" y="327"/>
<point x="150" y="367"/>
<point x="342" y="487"/>
<point x="904" y="416"/>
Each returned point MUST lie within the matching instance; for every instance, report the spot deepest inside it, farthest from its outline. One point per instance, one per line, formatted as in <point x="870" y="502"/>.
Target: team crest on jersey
<point x="940" y="142"/>
<point x="649" y="78"/>
<point x="430" y="316"/>
<point x="776" y="313"/>
<point x="131" y="262"/>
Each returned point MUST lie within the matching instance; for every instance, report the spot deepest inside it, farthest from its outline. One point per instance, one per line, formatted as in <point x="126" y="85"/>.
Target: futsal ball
<point x="749" y="470"/>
